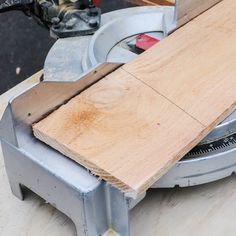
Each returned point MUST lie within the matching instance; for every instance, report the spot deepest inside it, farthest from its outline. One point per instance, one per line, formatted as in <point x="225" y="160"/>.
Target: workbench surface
<point x="204" y="210"/>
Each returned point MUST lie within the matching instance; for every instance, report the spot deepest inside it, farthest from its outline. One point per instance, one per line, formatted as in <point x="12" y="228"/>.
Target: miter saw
<point x="73" y="64"/>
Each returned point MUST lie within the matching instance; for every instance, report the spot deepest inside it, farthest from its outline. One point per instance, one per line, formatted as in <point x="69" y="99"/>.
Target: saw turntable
<point x="81" y="56"/>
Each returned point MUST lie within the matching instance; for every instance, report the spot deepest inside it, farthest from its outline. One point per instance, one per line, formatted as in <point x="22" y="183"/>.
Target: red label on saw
<point x="144" y="41"/>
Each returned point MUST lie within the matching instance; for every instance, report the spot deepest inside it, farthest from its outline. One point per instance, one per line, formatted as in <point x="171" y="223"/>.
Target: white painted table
<point x="197" y="211"/>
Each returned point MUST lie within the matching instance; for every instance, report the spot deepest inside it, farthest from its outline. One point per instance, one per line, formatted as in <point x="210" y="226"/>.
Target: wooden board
<point x="195" y="64"/>
<point x="133" y="125"/>
<point x="160" y="213"/>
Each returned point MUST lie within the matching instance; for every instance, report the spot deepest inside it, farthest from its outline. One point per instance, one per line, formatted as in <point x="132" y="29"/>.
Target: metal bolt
<point x="56" y="22"/>
<point x="93" y="23"/>
<point x="69" y="25"/>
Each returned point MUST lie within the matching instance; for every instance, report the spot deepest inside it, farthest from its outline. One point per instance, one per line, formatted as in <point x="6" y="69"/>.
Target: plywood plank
<point x="113" y="127"/>
<point x="154" y="216"/>
<point x="194" y="67"/>
<point x="133" y="125"/>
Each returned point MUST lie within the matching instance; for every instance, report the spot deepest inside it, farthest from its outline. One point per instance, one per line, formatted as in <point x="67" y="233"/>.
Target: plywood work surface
<point x="135" y="124"/>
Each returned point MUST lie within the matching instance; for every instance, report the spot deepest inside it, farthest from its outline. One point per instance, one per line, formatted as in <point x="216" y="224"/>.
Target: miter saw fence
<point x="66" y="18"/>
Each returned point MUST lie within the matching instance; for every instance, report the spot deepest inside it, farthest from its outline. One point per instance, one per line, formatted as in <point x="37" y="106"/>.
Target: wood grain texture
<point x="117" y="129"/>
<point x="133" y="125"/>
<point x="160" y="213"/>
<point x="194" y="67"/>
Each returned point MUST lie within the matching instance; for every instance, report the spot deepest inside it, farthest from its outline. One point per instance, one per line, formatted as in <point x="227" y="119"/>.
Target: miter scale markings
<point x="226" y="143"/>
